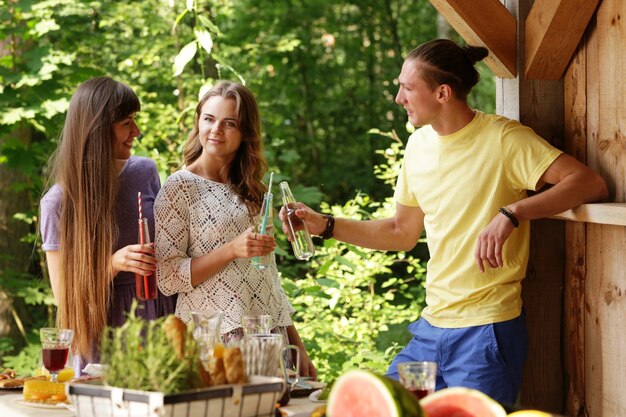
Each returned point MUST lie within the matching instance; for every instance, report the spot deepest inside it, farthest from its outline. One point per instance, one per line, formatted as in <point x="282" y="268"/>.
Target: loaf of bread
<point x="233" y="364"/>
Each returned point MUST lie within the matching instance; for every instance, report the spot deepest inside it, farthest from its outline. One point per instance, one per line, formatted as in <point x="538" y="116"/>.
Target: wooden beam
<point x="599" y="213"/>
<point x="485" y="23"/>
<point x="575" y="144"/>
<point x="553" y="30"/>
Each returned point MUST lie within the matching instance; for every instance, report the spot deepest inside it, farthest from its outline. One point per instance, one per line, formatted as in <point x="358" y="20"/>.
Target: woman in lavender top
<point x="89" y="216"/>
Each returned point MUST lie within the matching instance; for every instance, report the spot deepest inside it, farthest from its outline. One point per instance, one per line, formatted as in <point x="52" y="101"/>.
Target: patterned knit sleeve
<point x="171" y="214"/>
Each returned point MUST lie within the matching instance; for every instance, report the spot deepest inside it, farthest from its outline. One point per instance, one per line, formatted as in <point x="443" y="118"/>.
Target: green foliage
<point x="324" y="72"/>
<point x="140" y="356"/>
<point x="27" y="360"/>
<point x="355" y="304"/>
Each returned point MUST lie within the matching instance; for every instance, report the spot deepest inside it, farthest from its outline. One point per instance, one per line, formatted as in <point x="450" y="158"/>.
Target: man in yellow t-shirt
<point x="463" y="180"/>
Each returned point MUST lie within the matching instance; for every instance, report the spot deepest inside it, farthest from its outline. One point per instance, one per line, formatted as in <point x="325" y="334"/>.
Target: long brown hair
<point x="445" y="62"/>
<point x="247" y="168"/>
<point x="84" y="167"/>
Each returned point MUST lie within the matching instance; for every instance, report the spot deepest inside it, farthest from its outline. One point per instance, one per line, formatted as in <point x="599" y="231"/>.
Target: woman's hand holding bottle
<point x="135" y="258"/>
<point x="250" y="244"/>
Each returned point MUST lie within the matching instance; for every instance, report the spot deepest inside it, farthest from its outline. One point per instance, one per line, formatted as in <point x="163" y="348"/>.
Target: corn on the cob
<point x="44" y="392"/>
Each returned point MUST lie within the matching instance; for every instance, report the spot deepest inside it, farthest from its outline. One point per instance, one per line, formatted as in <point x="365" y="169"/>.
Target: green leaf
<point x="53" y="107"/>
<point x="342" y="260"/>
<point x="208" y="24"/>
<point x="15" y="115"/>
<point x="204" y="37"/>
<point x="324" y="268"/>
<point x="44" y="26"/>
<point x="184" y="56"/>
<point x="28" y="80"/>
<point x="179" y="18"/>
<point x="326" y="282"/>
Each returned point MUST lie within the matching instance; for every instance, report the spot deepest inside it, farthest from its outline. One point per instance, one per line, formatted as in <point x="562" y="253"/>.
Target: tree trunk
<point x="14" y="254"/>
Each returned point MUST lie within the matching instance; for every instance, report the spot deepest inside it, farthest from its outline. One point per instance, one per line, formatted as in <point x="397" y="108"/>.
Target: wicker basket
<point x="257" y="398"/>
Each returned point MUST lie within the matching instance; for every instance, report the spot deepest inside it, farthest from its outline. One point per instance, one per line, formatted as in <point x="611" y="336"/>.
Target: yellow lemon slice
<point x="529" y="413"/>
<point x="66" y="374"/>
<point x="63" y="376"/>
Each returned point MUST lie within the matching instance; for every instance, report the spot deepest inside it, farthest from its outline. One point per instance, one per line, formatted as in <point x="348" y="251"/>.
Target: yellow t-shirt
<point x="460" y="181"/>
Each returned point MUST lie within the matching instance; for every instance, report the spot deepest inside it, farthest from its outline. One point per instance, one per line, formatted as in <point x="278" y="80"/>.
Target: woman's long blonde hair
<point x="84" y="167"/>
<point x="247" y="168"/>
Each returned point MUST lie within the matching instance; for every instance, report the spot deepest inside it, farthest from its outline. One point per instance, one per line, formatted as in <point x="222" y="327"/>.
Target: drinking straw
<point x="140" y="218"/>
<point x="268" y="201"/>
<point x="141" y="241"/>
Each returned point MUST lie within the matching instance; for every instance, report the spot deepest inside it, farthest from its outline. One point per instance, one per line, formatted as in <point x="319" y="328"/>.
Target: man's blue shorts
<point x="488" y="358"/>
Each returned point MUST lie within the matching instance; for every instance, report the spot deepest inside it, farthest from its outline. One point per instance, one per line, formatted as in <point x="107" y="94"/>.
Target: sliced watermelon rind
<point x="398" y="401"/>
<point x="349" y="377"/>
<point x="457" y="396"/>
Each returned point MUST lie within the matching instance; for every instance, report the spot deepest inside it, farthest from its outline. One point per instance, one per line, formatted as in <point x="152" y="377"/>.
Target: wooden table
<point x="11" y="404"/>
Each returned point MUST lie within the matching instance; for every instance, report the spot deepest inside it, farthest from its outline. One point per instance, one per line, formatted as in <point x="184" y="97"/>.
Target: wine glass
<point x="55" y="347"/>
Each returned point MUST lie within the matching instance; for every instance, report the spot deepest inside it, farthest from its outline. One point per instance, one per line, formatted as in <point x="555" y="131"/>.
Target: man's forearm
<point x="572" y="191"/>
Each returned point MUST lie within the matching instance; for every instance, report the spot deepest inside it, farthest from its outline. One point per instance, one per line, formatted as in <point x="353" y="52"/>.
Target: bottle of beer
<point x="299" y="235"/>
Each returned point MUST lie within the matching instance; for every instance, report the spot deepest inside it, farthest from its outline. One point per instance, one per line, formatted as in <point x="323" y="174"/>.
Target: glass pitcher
<point x="207" y="332"/>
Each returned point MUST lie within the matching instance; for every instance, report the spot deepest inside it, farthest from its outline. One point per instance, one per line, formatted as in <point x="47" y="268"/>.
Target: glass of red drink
<point x="55" y="347"/>
<point x="418" y="377"/>
<point x="145" y="285"/>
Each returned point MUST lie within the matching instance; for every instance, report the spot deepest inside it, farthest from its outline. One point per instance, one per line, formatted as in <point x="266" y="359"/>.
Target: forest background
<point x="325" y="76"/>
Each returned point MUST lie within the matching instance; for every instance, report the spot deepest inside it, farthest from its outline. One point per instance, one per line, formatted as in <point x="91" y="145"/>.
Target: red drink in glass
<point x="419" y="393"/>
<point x="54" y="359"/>
<point x="146" y="286"/>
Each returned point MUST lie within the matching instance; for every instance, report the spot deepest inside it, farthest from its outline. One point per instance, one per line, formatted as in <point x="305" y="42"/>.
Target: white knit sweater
<point x="194" y="216"/>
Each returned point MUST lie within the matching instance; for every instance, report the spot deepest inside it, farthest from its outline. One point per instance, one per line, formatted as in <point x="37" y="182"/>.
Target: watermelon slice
<point x="361" y="393"/>
<point x="461" y="402"/>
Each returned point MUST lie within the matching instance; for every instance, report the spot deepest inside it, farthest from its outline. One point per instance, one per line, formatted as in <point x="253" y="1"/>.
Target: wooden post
<point x="575" y="102"/>
<point x="605" y="283"/>
<point x="539" y="105"/>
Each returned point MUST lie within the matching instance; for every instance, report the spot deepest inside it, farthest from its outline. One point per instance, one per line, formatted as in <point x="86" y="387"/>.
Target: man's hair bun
<point x="475" y="53"/>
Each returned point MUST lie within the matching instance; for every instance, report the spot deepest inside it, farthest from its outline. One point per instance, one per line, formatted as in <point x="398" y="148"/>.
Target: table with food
<point x="159" y="368"/>
<point x="166" y="368"/>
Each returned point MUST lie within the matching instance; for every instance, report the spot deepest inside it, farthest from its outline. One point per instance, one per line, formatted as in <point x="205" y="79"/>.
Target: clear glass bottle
<point x="265" y="226"/>
<point x="301" y="242"/>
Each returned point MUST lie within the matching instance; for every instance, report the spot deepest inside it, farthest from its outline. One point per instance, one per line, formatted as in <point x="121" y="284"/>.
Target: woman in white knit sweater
<point x="205" y="216"/>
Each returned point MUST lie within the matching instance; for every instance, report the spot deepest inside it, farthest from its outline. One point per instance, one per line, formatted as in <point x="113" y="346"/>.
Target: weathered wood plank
<point x="605" y="286"/>
<point x="605" y="307"/>
<point x="485" y="23"/>
<point x="553" y="30"/>
<point x="574" y="317"/>
<point x="542" y="382"/>
<point x="575" y="127"/>
<point x="608" y="60"/>
<point x="600" y="213"/>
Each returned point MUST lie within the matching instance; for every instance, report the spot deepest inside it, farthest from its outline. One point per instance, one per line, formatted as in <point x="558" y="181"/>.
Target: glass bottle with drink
<point x="265" y="226"/>
<point x="301" y="242"/>
<point x="145" y="285"/>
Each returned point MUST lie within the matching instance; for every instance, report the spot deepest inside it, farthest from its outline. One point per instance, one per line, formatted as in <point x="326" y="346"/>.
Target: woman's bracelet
<point x="509" y="214"/>
<point x="330" y="226"/>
